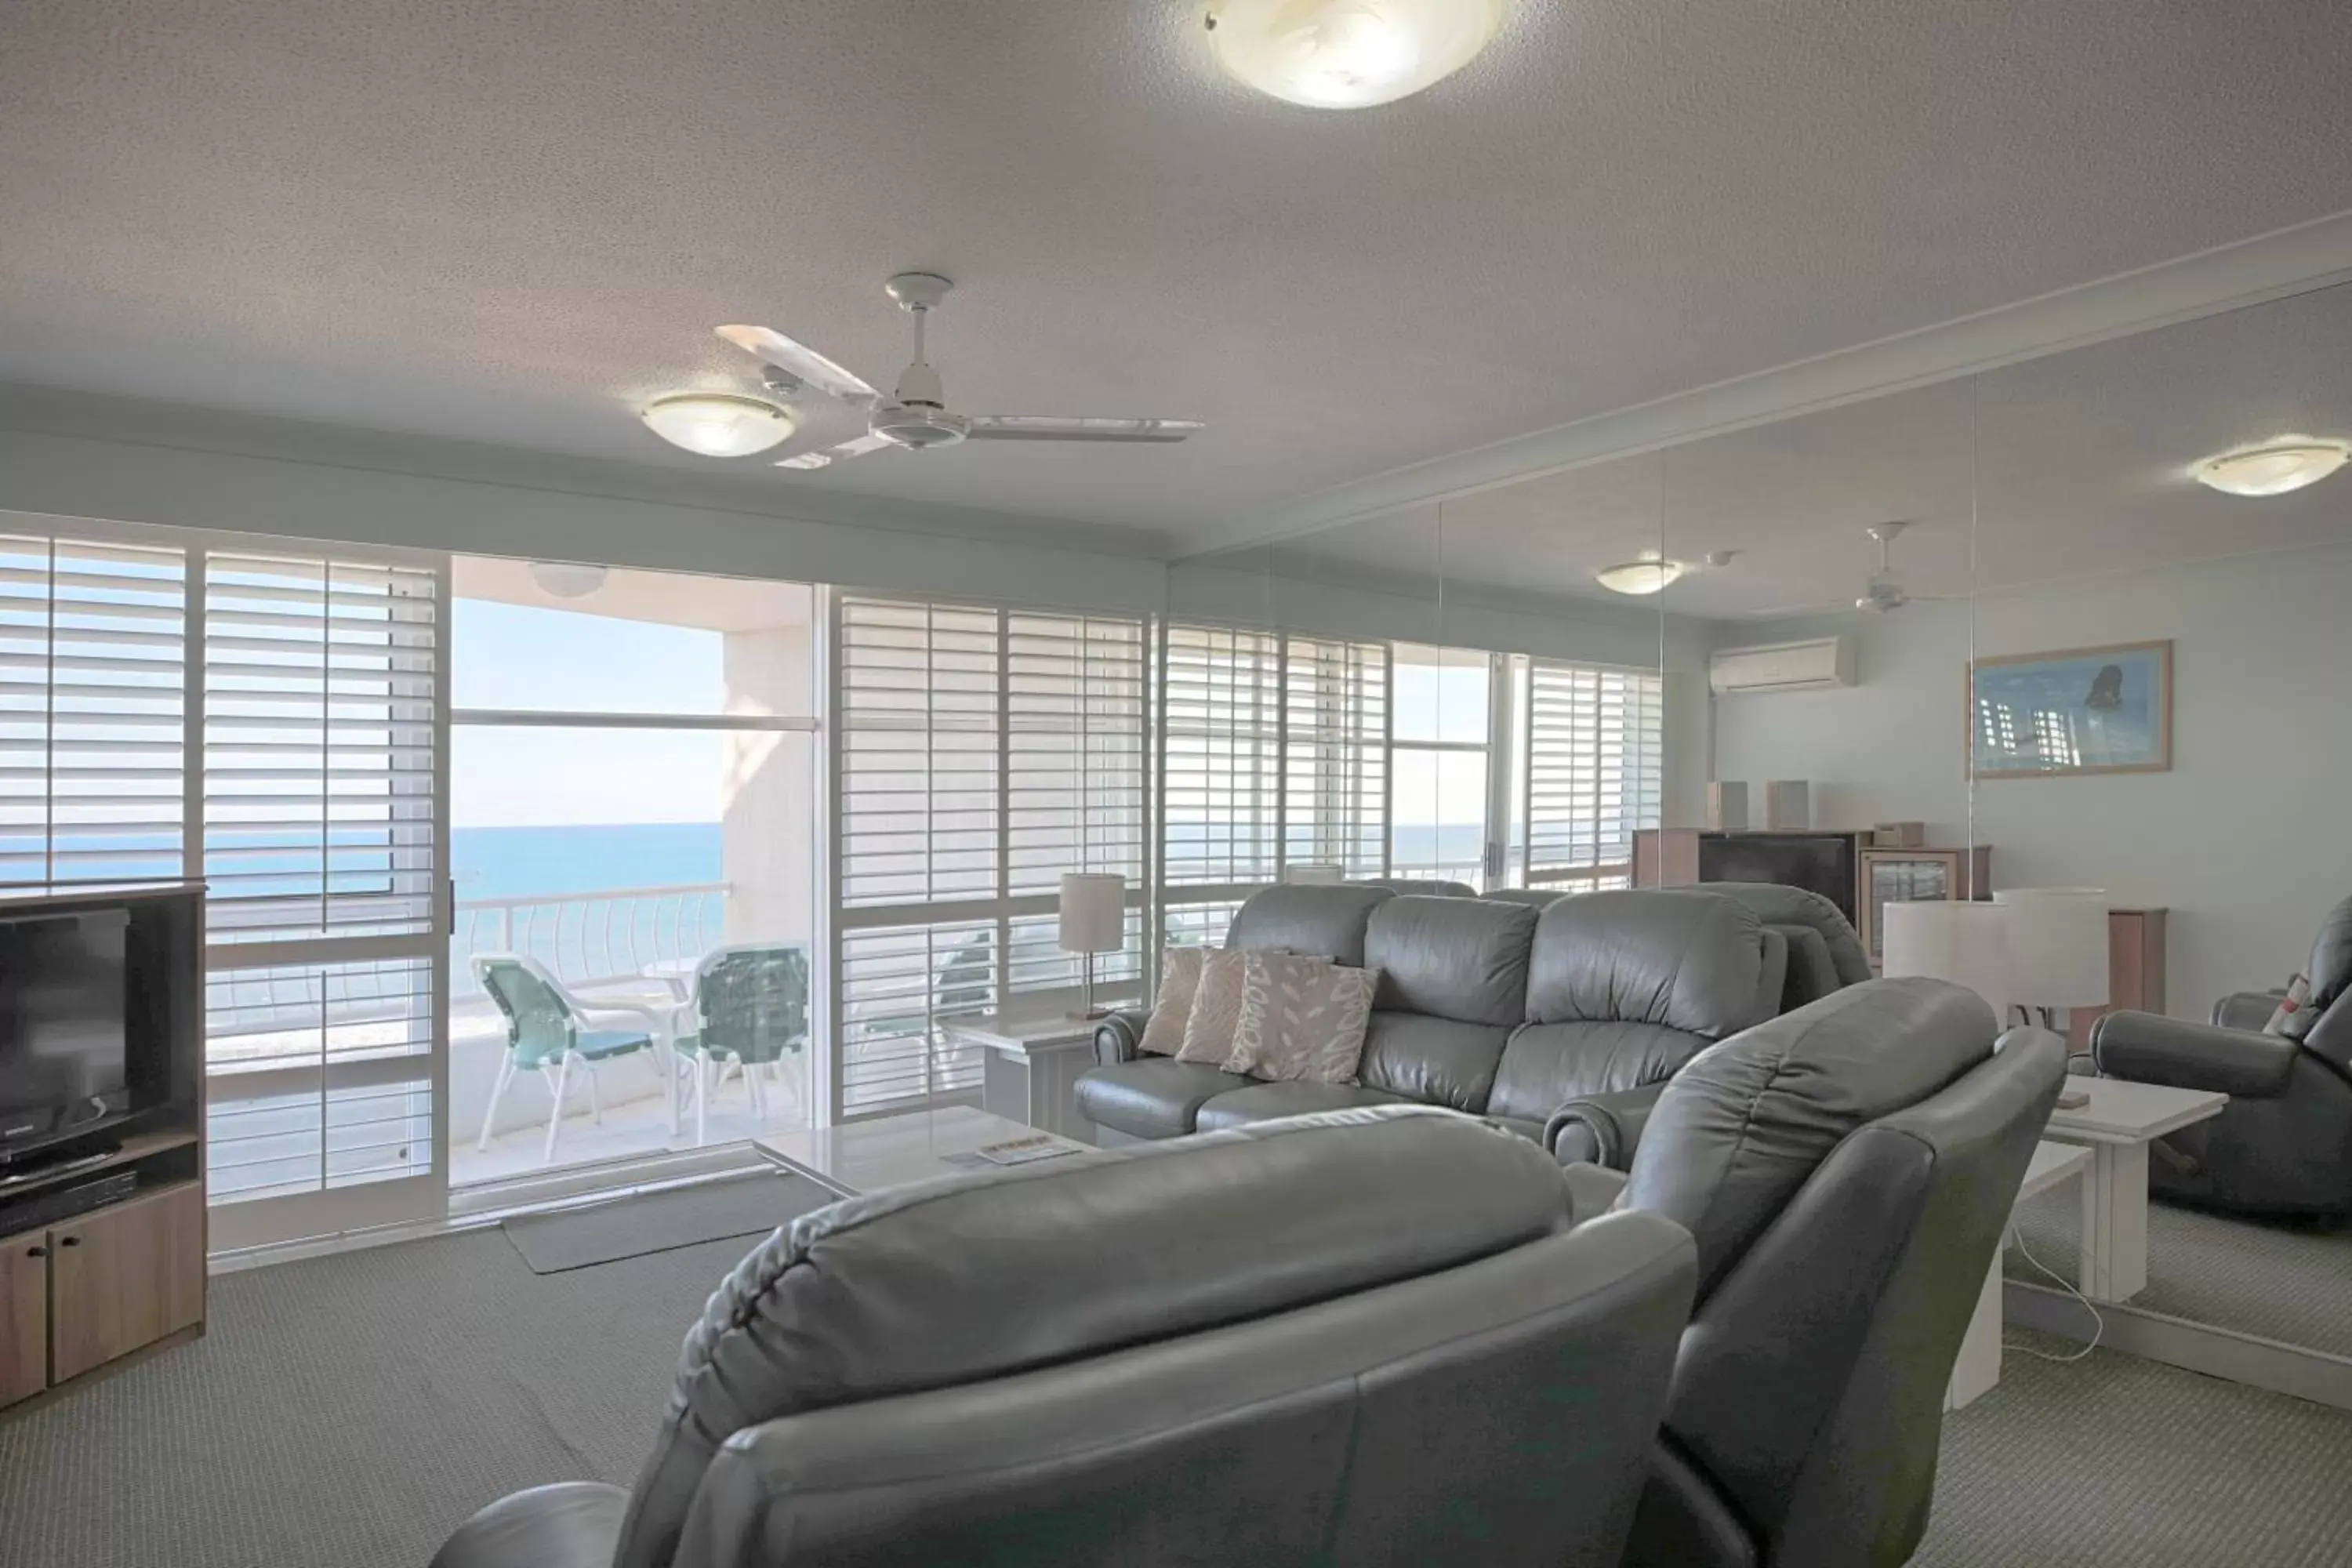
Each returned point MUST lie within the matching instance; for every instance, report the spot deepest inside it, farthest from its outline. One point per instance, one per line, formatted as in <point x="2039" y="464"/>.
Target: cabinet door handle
<point x="69" y="1241"/>
<point x="37" y="1252"/>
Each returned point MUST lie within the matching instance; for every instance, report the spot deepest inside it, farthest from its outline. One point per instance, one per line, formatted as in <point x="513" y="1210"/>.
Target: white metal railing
<point x="591" y="939"/>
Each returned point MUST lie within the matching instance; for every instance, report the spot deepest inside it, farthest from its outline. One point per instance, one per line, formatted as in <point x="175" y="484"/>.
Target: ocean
<point x="537" y="862"/>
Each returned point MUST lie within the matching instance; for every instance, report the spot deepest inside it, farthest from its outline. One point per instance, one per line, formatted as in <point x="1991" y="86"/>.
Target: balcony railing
<point x="591" y="939"/>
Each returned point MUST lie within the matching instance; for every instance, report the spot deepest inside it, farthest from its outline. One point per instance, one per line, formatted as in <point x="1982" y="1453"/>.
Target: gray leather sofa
<point x="1485" y="1005"/>
<point x="1372" y="1339"/>
<point x="1824" y="955"/>
<point x="2283" y="1145"/>
<point x="1846" y="1171"/>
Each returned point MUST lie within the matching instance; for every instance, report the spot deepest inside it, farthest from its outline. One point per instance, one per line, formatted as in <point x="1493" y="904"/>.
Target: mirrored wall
<point x="1975" y="641"/>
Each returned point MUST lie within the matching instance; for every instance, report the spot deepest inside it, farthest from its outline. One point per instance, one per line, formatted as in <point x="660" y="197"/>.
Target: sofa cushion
<point x="1216" y="1010"/>
<point x="1152" y="1098"/>
<point x="1465" y="959"/>
<point x="1301" y="1018"/>
<point x="1777" y="904"/>
<point x="1180" y="978"/>
<point x="1265" y="1102"/>
<point x="1322" y="919"/>
<point x="1545" y="1066"/>
<point x="1435" y="1061"/>
<point x="1670" y="956"/>
<point x="1741" y="1128"/>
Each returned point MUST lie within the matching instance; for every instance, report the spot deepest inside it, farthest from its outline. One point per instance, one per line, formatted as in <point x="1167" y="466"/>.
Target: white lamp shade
<point x="1964" y="942"/>
<point x="1320" y="876"/>
<point x="1094" y="913"/>
<point x="2057" y="946"/>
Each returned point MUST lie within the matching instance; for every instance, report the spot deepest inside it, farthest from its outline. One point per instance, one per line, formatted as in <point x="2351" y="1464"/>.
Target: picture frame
<point x="2071" y="712"/>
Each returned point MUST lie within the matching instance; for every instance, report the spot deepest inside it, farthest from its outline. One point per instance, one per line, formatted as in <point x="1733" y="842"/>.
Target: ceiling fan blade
<point x="839" y="454"/>
<point x="1039" y="427"/>
<point x="804" y="361"/>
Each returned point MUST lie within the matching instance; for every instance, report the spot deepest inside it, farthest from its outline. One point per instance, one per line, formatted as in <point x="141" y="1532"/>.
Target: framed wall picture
<point x="2075" y="711"/>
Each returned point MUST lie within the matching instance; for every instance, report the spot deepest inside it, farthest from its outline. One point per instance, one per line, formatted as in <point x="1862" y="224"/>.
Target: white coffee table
<point x="2117" y="1125"/>
<point x="892" y="1151"/>
<point x="1979" y="1365"/>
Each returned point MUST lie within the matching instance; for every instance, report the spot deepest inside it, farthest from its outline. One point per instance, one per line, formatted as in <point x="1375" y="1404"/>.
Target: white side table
<point x="1978" y="1367"/>
<point x="2119" y="1124"/>
<point x="1030" y="1067"/>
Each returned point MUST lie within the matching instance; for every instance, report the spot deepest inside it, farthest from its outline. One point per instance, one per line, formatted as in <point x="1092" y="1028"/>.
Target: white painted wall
<point x="2243" y="840"/>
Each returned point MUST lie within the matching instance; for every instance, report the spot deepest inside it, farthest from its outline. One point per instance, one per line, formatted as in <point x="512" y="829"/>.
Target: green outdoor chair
<point x="750" y="1012"/>
<point x="548" y="1028"/>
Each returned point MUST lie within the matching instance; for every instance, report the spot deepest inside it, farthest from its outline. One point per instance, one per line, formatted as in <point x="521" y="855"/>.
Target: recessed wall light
<point x="1642" y="576"/>
<point x="2272" y="468"/>
<point x="1349" y="54"/>
<point x="719" y="424"/>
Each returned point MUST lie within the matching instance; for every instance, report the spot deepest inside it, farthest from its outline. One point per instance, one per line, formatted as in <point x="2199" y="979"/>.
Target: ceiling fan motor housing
<point x="916" y="426"/>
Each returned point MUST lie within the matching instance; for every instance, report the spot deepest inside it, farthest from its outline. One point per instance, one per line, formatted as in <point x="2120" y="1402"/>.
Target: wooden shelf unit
<point x="87" y="1294"/>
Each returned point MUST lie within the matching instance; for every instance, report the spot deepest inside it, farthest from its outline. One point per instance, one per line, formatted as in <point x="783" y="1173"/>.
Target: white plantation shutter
<point x="93" y="679"/>
<point x="324" y="831"/>
<point x="1221" y="726"/>
<point x="1335" y="746"/>
<point x="1594" y="742"/>
<point x="981" y="752"/>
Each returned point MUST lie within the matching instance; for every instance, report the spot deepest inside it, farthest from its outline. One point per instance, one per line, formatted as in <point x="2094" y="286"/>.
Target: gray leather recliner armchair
<point x="1847" y="1171"/>
<point x="1375" y="1336"/>
<point x="2283" y="1145"/>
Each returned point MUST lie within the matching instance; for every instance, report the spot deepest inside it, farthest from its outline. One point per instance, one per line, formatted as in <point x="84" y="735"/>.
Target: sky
<point x="517" y="656"/>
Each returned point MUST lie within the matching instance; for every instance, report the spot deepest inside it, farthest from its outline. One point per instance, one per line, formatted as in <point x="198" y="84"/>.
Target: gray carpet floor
<point x="350" y="1411"/>
<point x="740" y="1209"/>
<point x="2292" y="1283"/>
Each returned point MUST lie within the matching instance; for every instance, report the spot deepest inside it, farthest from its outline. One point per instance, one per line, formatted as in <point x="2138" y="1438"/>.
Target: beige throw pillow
<point x="1179" y="977"/>
<point x="1301" y="1018"/>
<point x="1216" y="1009"/>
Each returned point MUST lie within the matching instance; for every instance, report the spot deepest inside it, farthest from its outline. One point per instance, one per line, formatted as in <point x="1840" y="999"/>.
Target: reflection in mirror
<point x="2161" y="668"/>
<point x="1818" y="630"/>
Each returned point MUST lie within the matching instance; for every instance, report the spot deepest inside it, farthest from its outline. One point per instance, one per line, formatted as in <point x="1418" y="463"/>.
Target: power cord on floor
<point x="2098" y="1323"/>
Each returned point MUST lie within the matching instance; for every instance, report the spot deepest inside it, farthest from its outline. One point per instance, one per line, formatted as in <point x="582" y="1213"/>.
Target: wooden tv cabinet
<point x="88" y="1293"/>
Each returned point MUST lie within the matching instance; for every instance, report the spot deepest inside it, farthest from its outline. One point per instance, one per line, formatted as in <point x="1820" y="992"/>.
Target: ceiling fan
<point x="1885" y="591"/>
<point x="915" y="414"/>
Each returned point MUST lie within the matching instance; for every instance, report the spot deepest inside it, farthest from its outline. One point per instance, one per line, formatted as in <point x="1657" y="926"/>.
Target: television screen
<point x="1821" y="863"/>
<point x="61" y="1024"/>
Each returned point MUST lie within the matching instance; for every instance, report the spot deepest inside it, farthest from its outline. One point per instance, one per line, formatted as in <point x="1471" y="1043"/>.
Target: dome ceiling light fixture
<point x="2272" y="468"/>
<point x="1648" y="572"/>
<point x="719" y="424"/>
<point x="567" y="579"/>
<point x="1349" y="54"/>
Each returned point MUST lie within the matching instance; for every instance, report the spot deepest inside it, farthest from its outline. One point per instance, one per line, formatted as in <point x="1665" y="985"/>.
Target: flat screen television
<point x="64" y="1068"/>
<point x="1822" y="863"/>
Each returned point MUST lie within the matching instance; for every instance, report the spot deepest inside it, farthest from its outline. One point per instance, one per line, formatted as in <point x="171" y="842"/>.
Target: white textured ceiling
<point x="2069" y="465"/>
<point x="512" y="223"/>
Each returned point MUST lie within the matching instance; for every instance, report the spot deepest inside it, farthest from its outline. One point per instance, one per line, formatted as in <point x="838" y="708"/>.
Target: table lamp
<point x="1964" y="942"/>
<point x="1094" y="920"/>
<point x="2057" y="948"/>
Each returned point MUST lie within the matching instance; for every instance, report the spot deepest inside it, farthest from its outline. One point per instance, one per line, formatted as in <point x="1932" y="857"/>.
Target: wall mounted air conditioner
<point x="1783" y="665"/>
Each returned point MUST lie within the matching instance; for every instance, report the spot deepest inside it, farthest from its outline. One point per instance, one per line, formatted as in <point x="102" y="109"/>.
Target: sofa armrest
<point x="1116" y="1036"/>
<point x="1602" y="1129"/>
<point x="571" y="1524"/>
<point x="1590" y="1190"/>
<point x="2146" y="1048"/>
<point x="2246" y="1009"/>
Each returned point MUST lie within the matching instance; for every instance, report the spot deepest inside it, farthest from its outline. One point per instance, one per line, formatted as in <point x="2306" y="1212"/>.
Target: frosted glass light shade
<point x="1094" y="913"/>
<point x="2057" y="946"/>
<point x="2273" y="468"/>
<point x="1349" y="54"/>
<point x="717" y="425"/>
<point x="1966" y="943"/>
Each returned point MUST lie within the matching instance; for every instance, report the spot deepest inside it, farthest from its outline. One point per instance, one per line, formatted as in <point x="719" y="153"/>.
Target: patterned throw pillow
<point x="2291" y="1020"/>
<point x="1180" y="978"/>
<point x="1301" y="1018"/>
<point x="1216" y="1009"/>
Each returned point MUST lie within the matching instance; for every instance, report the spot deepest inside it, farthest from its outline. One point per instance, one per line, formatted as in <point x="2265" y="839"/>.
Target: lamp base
<point x="1087" y="1014"/>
